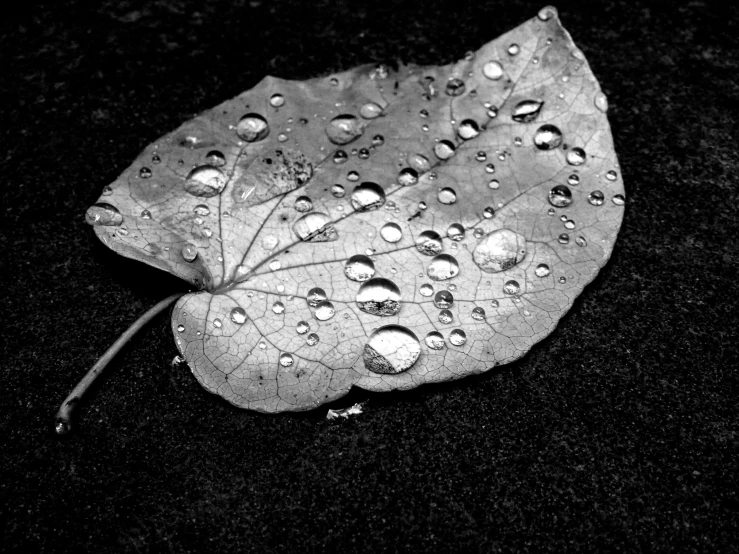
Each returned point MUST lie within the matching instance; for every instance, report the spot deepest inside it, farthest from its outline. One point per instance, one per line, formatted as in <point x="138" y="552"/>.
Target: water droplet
<point x="379" y="296"/>
<point x="217" y="323"/>
<point x="454" y="87"/>
<point x="315" y="227"/>
<point x="492" y="112"/>
<point x="564" y="238"/>
<point x="316" y="296"/>
<point x="488" y="213"/>
<point x="302" y="327"/>
<point x="363" y="154"/>
<point x="370" y="110"/>
<point x="340" y="157"/>
<point x="601" y="102"/>
<point x="338" y="191"/>
<point x="560" y="196"/>
<point x="278" y="307"/>
<point x="407" y="177"/>
<point x="155" y="159"/>
<point x="447" y="196"/>
<point x="426" y="290"/>
<point x="276" y="100"/>
<point x="478" y="314"/>
<point x="181" y="328"/>
<point x="457" y="337"/>
<point x="344" y="129"/>
<point x="444" y="149"/>
<point x="303" y="204"/>
<point x="481" y="156"/>
<point x="352" y="176"/>
<point x="312" y="339"/>
<point x="391" y="349"/>
<point x="576" y="156"/>
<point x="468" y="129"/>
<point x="434" y="340"/>
<point x="107" y="190"/>
<point x="144" y="172"/>
<point x="391" y="232"/>
<point x="367" y="197"/>
<point x="252" y="128"/>
<point x="359" y="268"/>
<point x="596" y="198"/>
<point x="455" y="232"/>
<point x="378" y="140"/>
<point x="445" y="317"/>
<point x="573" y="179"/>
<point x="419" y="162"/>
<point x="324" y="311"/>
<point x="103" y="214"/>
<point x="569" y="224"/>
<point x="500" y="250"/>
<point x="547" y="12"/>
<point x="580" y="241"/>
<point x="443" y="267"/>
<point x="189" y="252"/>
<point x="526" y="110"/>
<point x="205" y="181"/>
<point x="282" y="137"/>
<point x="492" y="70"/>
<point x="563" y="280"/>
<point x="429" y="243"/>
<point x="611" y="175"/>
<point x="618" y="199"/>
<point x="547" y="137"/>
<point x="514" y="49"/>
<point x="422" y="205"/>
<point x="238" y="316"/>
<point x="145" y="214"/>
<point x="511" y="287"/>
<point x="262" y="346"/>
<point x="443" y="299"/>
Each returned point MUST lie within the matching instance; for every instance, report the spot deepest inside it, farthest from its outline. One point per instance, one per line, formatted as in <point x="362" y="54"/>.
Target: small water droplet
<point x="303" y="204"/>
<point x="434" y="340"/>
<point x="573" y="179"/>
<point x="407" y="177"/>
<point x="338" y="191"/>
<point x="217" y="323"/>
<point x="443" y="299"/>
<point x="564" y="238"/>
<point x="422" y="205"/>
<point x="391" y="232"/>
<point x="527" y="110"/>
<point x="144" y="172"/>
<point x="447" y="196"/>
<point x="426" y="290"/>
<point x="282" y="137"/>
<point x="444" y="149"/>
<point x="378" y="140"/>
<point x="181" y="328"/>
<point x="611" y="175"/>
<point x="481" y="156"/>
<point x="419" y="162"/>
<point x="495" y="303"/>
<point x="569" y="224"/>
<point x="312" y="339"/>
<point x="618" y="199"/>
<point x="443" y="267"/>
<point x="252" y="128"/>
<point x="145" y="214"/>
<point x="454" y="87"/>
<point x="596" y="198"/>
<point x="205" y="181"/>
<point x="278" y="307"/>
<point x="576" y="156"/>
<point x="344" y="129"/>
<point x="107" y="190"/>
<point x="580" y="241"/>
<point x="189" y="252"/>
<point x="455" y="232"/>
<point x="478" y="233"/>
<point x="262" y="346"/>
<point x="276" y="100"/>
<point x="340" y="157"/>
<point x="391" y="349"/>
<point x="488" y="213"/>
<point x="445" y="317"/>
<point x="370" y="110"/>
<point x="367" y="196"/>
<point x="517" y="141"/>
<point x="324" y="311"/>
<point x="601" y="102"/>
<point x="514" y="49"/>
<point x="379" y="296"/>
<point x="359" y="268"/>
<point x="546" y="13"/>
<point x="316" y="296"/>
<point x="155" y="159"/>
<point x="563" y="280"/>
<point x="492" y="70"/>
<point x="468" y="129"/>
<point x="215" y="158"/>
<point x="352" y="176"/>
<point x="547" y="137"/>
<point x="302" y="327"/>
<point x="511" y="287"/>
<point x="478" y="314"/>
<point x="500" y="250"/>
<point x="560" y="196"/>
<point x="492" y="112"/>
<point x="542" y="270"/>
<point x="457" y="337"/>
<point x="429" y="243"/>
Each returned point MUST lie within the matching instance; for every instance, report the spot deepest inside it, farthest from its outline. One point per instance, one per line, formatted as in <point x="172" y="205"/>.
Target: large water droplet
<point x="455" y="232"/>
<point x="526" y="111"/>
<point x="407" y="177"/>
<point x="457" y="337"/>
<point x="324" y="311"/>
<point x="286" y="359"/>
<point x="379" y="296"/>
<point x="444" y="149"/>
<point x="468" y="129"/>
<point x="454" y="87"/>
<point x="511" y="287"/>
<point x="391" y="232"/>
<point x="103" y="214"/>
<point x="560" y="196"/>
<point x="434" y="340"/>
<point x="205" y="181"/>
<point x="576" y="156"/>
<point x="367" y="196"/>
<point x="344" y="129"/>
<point x="492" y="70"/>
<point x="447" y="196"/>
<point x="315" y="227"/>
<point x="303" y="204"/>
<point x="429" y="243"/>
<point x="252" y="127"/>
<point x="542" y="270"/>
<point x="238" y="316"/>
<point x="596" y="198"/>
<point x="500" y="250"/>
<point x="370" y="110"/>
<point x="189" y="252"/>
<point x="443" y="267"/>
<point x="419" y="162"/>
<point x="359" y="268"/>
<point x="391" y="349"/>
<point x="443" y="299"/>
<point x="547" y="137"/>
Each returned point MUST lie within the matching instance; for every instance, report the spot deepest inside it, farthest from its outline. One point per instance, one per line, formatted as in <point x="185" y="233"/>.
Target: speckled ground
<point x="619" y="432"/>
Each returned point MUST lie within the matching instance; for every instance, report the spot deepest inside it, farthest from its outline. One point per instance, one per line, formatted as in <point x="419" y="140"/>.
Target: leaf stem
<point x="62" y="422"/>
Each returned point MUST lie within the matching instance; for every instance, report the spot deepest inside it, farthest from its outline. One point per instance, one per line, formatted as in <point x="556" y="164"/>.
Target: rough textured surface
<point x="619" y="431"/>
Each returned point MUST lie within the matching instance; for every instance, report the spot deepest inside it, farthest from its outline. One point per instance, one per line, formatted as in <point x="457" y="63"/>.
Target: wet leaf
<point x="378" y="228"/>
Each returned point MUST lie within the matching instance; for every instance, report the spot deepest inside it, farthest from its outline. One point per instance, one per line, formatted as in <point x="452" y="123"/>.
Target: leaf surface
<point x="379" y="228"/>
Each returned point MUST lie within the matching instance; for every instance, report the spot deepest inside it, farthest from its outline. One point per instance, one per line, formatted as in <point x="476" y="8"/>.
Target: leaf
<point x="378" y="228"/>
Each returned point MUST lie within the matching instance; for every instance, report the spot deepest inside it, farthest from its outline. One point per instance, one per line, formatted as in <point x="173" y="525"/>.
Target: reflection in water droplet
<point x="434" y="340"/>
<point x="429" y="243"/>
<point x="303" y="204"/>
<point x="576" y="156"/>
<point x="478" y="314"/>
<point x="618" y="199"/>
<point x="511" y="287"/>
<point x="601" y="102"/>
<point x="526" y="111"/>
<point x="302" y="327"/>
<point x="217" y="323"/>
<point x="359" y="268"/>
<point x="103" y="214"/>
<point x="560" y="196"/>
<point x="379" y="296"/>
<point x="426" y="290"/>
<point x="391" y="349"/>
<point x="238" y="316"/>
<point x="391" y="232"/>
<point x="444" y="149"/>
<point x="181" y="328"/>
<point x="324" y="311"/>
<point x="542" y="270"/>
<point x="144" y="172"/>
<point x="488" y="212"/>
<point x="340" y="157"/>
<point x="454" y="87"/>
<point x="278" y="307"/>
<point x="443" y="299"/>
<point x="205" y="181"/>
<point x="344" y="129"/>
<point x="443" y="267"/>
<point x="481" y="156"/>
<point x="316" y="296"/>
<point x="370" y="110"/>
<point x="338" y="191"/>
<point x="455" y="232"/>
<point x="611" y="175"/>
<point x="569" y="224"/>
<point x="276" y="100"/>
<point x="457" y="337"/>
<point x="252" y="127"/>
<point x="547" y="137"/>
<point x="500" y="250"/>
<point x="286" y="360"/>
<point x="495" y="303"/>
<point x="447" y="196"/>
<point x="564" y="238"/>
<point x="315" y="227"/>
<point x="596" y="198"/>
<point x="468" y="129"/>
<point x="312" y="339"/>
<point x="378" y="140"/>
<point x="407" y="177"/>
<point x="145" y="214"/>
<point x="419" y="162"/>
<point x="445" y="317"/>
<point x="189" y="252"/>
<point x="492" y="70"/>
<point x="367" y="197"/>
<point x="573" y="179"/>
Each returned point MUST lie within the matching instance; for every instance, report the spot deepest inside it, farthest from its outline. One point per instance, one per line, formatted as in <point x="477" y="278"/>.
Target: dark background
<point x="618" y="432"/>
